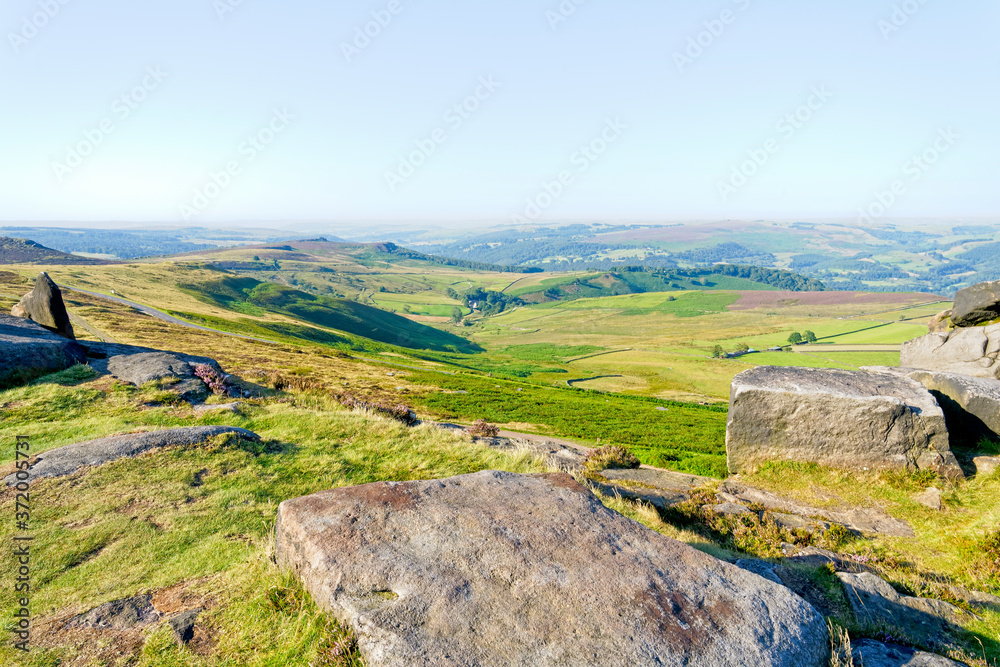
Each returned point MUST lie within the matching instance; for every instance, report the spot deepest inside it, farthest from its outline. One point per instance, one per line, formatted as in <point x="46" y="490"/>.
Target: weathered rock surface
<point x="28" y="351"/>
<point x="875" y="602"/>
<point x="67" y="460"/>
<point x="660" y="488"/>
<point x="126" y="614"/>
<point x="845" y="419"/>
<point x="870" y="653"/>
<point x="940" y="322"/>
<point x="182" y="626"/>
<point x="495" y="568"/>
<point x="44" y="305"/>
<point x="986" y="465"/>
<point x="139" y="365"/>
<point x="761" y="568"/>
<point x="971" y="405"/>
<point x="930" y="498"/>
<point x="970" y="351"/>
<point x="860" y="519"/>
<point x="976" y="304"/>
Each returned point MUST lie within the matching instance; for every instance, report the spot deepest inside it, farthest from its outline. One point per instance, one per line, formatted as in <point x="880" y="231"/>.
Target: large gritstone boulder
<point x="971" y="405"/>
<point x="139" y="365"/>
<point x="28" y="351"/>
<point x="977" y="304"/>
<point x="67" y="460"/>
<point x="970" y="351"/>
<point x="856" y="420"/>
<point x="44" y="305"/>
<point x="498" y="569"/>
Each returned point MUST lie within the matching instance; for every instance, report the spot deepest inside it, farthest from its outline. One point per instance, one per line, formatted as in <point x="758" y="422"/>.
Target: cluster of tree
<point x="785" y="280"/>
<point x="489" y="302"/>
<point x="724" y="252"/>
<point x="396" y="251"/>
<point x="796" y="338"/>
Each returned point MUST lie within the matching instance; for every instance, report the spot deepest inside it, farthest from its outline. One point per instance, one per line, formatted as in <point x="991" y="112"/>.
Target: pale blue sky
<point x="682" y="129"/>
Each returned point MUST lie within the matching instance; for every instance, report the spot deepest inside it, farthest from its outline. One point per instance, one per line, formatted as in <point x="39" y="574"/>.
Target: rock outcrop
<point x="971" y="405"/>
<point x="877" y="604"/>
<point x="28" y="351"/>
<point x="845" y="419"/>
<point x="44" y="305"/>
<point x="870" y="653"/>
<point x="971" y="351"/>
<point x="976" y="304"/>
<point x="67" y="460"/>
<point x="495" y="568"/>
<point x="125" y="614"/>
<point x="940" y="322"/>
<point x="139" y="365"/>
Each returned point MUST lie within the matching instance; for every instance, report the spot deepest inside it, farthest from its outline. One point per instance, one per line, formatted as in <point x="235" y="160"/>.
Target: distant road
<point x="160" y="315"/>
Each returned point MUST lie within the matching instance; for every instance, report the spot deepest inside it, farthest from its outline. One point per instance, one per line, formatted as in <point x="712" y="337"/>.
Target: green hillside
<point x="252" y="297"/>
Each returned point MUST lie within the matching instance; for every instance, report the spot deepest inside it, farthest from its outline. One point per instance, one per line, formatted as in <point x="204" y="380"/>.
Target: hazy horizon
<point x="215" y="113"/>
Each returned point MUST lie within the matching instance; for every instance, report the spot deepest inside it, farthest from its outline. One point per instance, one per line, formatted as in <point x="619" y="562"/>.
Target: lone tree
<point x="718" y="352"/>
<point x="742" y="347"/>
<point x="810" y="337"/>
<point x="456" y="314"/>
<point x="795" y="338"/>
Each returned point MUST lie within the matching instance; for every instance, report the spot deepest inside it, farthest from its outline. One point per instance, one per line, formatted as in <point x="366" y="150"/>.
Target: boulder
<point x="44" y="305"/>
<point x="971" y="405"/>
<point x="28" y="351"/>
<point x="855" y="420"/>
<point x="940" y="322"/>
<point x="971" y="351"/>
<point x="139" y="365"/>
<point x="876" y="604"/>
<point x="495" y="568"/>
<point x="976" y="304"/>
<point x="870" y="653"/>
<point x="126" y="614"/>
<point x="67" y="460"/>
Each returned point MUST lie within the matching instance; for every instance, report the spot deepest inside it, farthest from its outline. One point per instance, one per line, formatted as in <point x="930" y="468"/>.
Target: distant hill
<point x="253" y="297"/>
<point x="23" y="251"/>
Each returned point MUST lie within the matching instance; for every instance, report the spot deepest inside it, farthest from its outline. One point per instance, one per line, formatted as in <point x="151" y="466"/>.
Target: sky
<point x="206" y="112"/>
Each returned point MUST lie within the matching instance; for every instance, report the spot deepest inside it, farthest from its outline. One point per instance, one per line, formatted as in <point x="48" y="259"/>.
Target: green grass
<point x="685" y="437"/>
<point x="241" y="294"/>
<point x="201" y="516"/>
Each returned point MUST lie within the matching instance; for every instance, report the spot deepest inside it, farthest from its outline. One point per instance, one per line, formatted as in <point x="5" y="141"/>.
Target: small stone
<point x="986" y="465"/>
<point x="731" y="509"/>
<point x="930" y="498"/>
<point x="183" y="626"/>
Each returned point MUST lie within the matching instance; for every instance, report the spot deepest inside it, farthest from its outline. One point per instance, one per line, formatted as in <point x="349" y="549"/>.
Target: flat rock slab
<point x="986" y="465"/>
<point x="854" y="420"/>
<point x="972" y="351"/>
<point x="29" y="351"/>
<point x="870" y="653"/>
<point x="497" y="569"/>
<point x="67" y="460"/>
<point x="976" y="304"/>
<point x="139" y="365"/>
<point x="126" y="614"/>
<point x="860" y="519"/>
<point x="876" y="603"/>
<point x="660" y="488"/>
